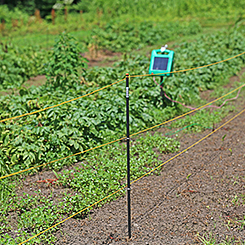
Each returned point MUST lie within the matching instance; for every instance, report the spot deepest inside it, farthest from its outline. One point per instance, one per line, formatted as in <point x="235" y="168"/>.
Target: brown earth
<point x="102" y="58"/>
<point x="36" y="81"/>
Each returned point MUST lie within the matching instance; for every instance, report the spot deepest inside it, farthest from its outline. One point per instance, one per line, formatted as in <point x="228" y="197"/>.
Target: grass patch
<point x="210" y="240"/>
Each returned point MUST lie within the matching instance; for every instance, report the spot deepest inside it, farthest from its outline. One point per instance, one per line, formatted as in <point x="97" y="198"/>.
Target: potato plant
<point x="81" y="124"/>
<point x="124" y="36"/>
<point x="17" y="65"/>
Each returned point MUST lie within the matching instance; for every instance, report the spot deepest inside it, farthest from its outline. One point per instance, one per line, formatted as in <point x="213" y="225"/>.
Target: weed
<point x="207" y="240"/>
<point x="223" y="138"/>
<point x="210" y="240"/>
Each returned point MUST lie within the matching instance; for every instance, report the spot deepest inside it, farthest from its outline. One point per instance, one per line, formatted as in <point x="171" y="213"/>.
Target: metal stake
<point x="161" y="91"/>
<point x="128" y="155"/>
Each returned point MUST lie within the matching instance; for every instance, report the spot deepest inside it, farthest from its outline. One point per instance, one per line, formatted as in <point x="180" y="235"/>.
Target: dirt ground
<point x="102" y="58"/>
<point x="198" y="192"/>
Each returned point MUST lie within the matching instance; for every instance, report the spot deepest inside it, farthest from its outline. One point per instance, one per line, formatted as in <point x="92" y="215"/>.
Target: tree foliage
<point x="29" y="6"/>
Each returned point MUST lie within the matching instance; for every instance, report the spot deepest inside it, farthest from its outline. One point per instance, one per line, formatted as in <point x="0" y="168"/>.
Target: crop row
<point x="94" y="178"/>
<point x="125" y="36"/>
<point x="81" y="124"/>
<point x="17" y="65"/>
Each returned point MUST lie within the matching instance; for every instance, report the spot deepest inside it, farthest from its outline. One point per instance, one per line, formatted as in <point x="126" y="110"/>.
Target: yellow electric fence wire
<point x="189" y="112"/>
<point x="189" y="146"/>
<point x="63" y="158"/>
<point x="194" y="68"/>
<point x="136" y="179"/>
<point x="73" y="215"/>
<point x="62" y="103"/>
<point x="142" y="131"/>
<point x="65" y="102"/>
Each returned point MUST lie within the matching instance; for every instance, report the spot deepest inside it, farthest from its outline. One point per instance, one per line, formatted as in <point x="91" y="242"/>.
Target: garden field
<point x="198" y="198"/>
<point x="63" y="162"/>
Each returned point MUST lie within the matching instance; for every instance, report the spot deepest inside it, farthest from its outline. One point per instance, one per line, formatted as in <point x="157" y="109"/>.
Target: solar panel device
<point x="161" y="62"/>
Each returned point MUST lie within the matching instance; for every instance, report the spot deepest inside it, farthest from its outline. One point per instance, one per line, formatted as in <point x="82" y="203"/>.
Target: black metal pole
<point x="161" y="91"/>
<point x="128" y="155"/>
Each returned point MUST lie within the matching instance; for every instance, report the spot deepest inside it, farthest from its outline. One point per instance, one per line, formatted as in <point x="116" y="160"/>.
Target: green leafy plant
<point x="223" y="138"/>
<point x="99" y="118"/>
<point x="65" y="62"/>
<point x="17" y="65"/>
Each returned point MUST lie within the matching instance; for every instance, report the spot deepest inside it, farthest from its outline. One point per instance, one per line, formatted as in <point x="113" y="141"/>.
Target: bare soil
<point x="102" y="58"/>
<point x="36" y="81"/>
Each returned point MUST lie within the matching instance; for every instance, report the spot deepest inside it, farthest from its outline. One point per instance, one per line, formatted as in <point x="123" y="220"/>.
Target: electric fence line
<point x="180" y="153"/>
<point x="111" y="142"/>
<point x="62" y="103"/>
<point x="107" y="86"/>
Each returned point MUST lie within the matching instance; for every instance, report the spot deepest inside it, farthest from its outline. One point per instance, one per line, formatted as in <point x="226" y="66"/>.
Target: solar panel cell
<point x="160" y="63"/>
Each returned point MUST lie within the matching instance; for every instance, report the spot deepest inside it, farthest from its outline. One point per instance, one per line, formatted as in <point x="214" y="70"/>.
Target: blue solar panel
<point x="160" y="63"/>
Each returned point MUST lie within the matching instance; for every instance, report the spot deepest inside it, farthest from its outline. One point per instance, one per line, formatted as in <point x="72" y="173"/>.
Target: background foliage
<point x="134" y="7"/>
<point x="17" y="65"/>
